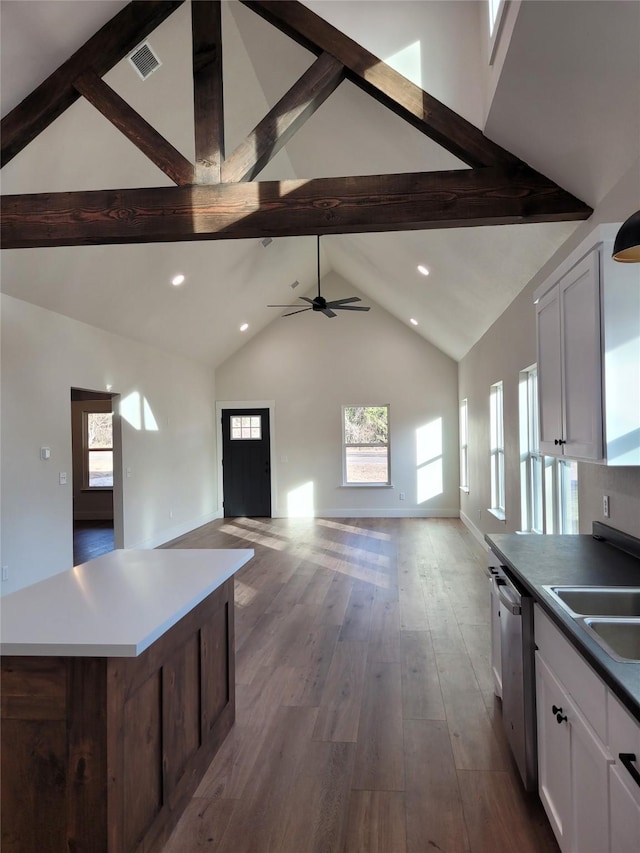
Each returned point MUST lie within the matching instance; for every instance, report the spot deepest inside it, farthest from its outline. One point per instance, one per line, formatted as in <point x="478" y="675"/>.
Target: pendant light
<point x="626" y="247"/>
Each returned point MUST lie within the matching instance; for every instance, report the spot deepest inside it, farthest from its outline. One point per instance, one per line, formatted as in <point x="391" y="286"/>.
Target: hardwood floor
<point x="91" y="539"/>
<point x="366" y="721"/>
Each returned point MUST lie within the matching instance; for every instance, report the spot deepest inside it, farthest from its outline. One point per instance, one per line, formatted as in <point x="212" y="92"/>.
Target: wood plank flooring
<point x="366" y="721"/>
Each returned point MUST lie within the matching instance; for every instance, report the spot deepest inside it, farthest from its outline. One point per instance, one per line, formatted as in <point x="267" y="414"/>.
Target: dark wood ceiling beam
<point x="285" y="119"/>
<point x="489" y="196"/>
<point x="386" y="85"/>
<point x="135" y="128"/>
<point x="103" y="50"/>
<point x="206" y="27"/>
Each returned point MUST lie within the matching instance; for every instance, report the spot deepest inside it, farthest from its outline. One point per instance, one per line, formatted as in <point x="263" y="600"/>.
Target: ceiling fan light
<point x="626" y="247"/>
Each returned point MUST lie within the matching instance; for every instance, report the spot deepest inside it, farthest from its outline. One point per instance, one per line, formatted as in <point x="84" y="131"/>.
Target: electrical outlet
<point x="605" y="506"/>
<point x="63" y="478"/>
<point x="5" y="573"/>
<point x="402" y="496"/>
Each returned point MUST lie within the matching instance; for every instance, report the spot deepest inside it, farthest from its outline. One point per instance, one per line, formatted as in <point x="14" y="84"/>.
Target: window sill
<point x="366" y="486"/>
<point x="498" y="513"/>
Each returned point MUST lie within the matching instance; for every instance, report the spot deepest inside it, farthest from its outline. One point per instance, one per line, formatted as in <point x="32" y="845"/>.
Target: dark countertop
<point x="580" y="560"/>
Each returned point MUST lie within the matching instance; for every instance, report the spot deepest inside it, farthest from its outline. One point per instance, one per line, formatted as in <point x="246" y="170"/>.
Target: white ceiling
<point x="475" y="273"/>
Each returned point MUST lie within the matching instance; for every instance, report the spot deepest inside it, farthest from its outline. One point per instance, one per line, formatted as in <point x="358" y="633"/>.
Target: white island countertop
<point x="114" y="606"/>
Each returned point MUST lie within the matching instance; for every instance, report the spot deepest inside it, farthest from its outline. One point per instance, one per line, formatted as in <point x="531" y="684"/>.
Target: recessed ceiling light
<point x="415" y="322"/>
<point x="244" y="327"/>
<point x="422" y="269"/>
<point x="177" y="280"/>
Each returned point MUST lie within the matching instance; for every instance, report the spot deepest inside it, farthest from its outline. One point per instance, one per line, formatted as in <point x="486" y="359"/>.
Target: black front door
<point x="246" y="469"/>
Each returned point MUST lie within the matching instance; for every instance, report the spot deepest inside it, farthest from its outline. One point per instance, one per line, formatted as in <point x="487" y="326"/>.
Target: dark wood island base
<point x="101" y="754"/>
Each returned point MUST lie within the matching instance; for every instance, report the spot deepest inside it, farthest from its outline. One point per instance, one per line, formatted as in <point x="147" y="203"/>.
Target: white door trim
<point x="247" y="404"/>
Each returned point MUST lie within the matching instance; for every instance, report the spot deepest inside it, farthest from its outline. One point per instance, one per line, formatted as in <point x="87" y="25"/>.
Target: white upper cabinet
<point x="588" y="349"/>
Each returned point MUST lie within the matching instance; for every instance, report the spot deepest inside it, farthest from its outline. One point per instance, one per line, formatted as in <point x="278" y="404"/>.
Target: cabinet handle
<point x="627" y="758"/>
<point x="558" y="712"/>
<point x="556" y="441"/>
<point x="562" y="441"/>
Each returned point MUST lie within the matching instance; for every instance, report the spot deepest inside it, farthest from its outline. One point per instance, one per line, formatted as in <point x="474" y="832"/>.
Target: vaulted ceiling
<point x="475" y="271"/>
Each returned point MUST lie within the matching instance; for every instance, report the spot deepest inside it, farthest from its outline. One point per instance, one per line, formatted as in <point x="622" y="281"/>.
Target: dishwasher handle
<point x="510" y="598"/>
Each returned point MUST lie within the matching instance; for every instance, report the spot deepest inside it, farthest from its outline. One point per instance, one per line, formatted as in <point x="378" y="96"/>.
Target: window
<point x="548" y="486"/>
<point x="464" y="445"/>
<point x="366" y="445"/>
<point x="243" y="427"/>
<point x="98" y="442"/>
<point x="497" y="451"/>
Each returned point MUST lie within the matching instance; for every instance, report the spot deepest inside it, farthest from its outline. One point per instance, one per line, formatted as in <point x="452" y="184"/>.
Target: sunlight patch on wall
<point x="429" y="478"/>
<point x="300" y="501"/>
<point x="137" y="412"/>
<point x="408" y="62"/>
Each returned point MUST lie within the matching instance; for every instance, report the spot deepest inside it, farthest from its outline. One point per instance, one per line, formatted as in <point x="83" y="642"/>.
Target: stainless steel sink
<point x="620" y="638"/>
<point x="619" y="601"/>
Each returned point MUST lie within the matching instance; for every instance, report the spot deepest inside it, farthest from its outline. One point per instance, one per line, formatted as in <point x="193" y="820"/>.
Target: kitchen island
<point x="118" y="687"/>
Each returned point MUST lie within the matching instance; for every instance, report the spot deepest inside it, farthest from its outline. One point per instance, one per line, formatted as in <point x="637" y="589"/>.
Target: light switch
<point x="45" y="453"/>
<point x="63" y="478"/>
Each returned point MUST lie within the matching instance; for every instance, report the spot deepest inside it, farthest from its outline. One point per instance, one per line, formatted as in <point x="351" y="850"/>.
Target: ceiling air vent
<point x="144" y="60"/>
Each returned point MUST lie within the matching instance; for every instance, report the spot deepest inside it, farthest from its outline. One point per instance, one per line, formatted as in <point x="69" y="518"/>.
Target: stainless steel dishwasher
<point x="518" y="678"/>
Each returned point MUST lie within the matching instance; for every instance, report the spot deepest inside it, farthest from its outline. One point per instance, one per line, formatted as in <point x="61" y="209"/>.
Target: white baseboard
<point x="379" y="513"/>
<point x="477" y="533"/>
<point x="170" y="533"/>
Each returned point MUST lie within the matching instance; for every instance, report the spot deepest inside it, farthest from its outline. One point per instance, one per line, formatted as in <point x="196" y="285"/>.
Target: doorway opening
<point x="97" y="485"/>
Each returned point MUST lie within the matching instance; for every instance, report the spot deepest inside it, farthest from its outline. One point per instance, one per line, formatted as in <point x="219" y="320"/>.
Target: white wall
<point x="311" y="366"/>
<point x="416" y="39"/>
<point x="168" y="437"/>
<point x="509" y="347"/>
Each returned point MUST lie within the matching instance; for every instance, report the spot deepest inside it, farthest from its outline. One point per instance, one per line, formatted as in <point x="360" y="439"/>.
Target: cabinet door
<point x="549" y="373"/>
<point x="554" y="753"/>
<point x="625" y="814"/>
<point x="589" y="787"/>
<point x="579" y="293"/>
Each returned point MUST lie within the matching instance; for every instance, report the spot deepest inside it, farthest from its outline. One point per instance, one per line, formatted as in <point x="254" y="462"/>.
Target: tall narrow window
<point x="531" y="463"/>
<point x="464" y="445"/>
<point x="548" y="486"/>
<point x="497" y="451"/>
<point x="98" y="437"/>
<point x="365" y="445"/>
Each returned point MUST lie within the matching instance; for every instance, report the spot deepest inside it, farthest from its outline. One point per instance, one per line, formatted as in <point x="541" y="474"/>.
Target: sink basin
<point x="620" y="638"/>
<point x="621" y="601"/>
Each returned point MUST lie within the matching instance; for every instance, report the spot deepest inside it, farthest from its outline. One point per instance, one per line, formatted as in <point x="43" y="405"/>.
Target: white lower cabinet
<point x="624" y="778"/>
<point x="573" y="769"/>
<point x="588" y="751"/>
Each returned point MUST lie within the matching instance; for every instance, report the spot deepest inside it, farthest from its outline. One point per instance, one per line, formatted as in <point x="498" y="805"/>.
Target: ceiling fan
<point x="319" y="303"/>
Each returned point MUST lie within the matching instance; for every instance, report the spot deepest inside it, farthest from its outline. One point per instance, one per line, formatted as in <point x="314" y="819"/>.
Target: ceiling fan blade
<point x="344" y="301"/>
<point x="328" y="312"/>
<point x="351" y="307"/>
<point x="306" y="299"/>
<point x="291" y="313"/>
<point x="284" y="306"/>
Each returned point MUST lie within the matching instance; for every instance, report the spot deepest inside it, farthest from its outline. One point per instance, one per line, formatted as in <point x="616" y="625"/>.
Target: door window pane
<point x="99" y="445"/>
<point x="246" y="427"/>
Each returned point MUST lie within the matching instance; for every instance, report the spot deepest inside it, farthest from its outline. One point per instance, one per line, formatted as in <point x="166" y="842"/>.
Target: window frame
<point x="87" y="451"/>
<point x="496" y="450"/>
<point x="357" y="484"/>
<point x="464" y="445"/>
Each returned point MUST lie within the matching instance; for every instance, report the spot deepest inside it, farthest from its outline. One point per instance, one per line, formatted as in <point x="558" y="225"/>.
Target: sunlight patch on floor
<point x="348" y="528"/>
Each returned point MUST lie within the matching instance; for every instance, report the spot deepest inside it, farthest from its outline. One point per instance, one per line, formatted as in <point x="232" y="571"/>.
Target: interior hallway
<point x="365" y="713"/>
